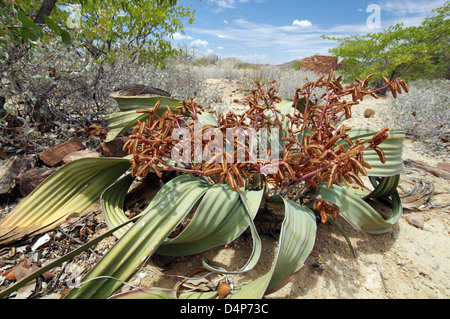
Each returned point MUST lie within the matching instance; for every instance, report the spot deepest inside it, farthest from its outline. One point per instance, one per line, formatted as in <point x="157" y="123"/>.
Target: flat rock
<point x="415" y="221"/>
<point x="54" y="155"/>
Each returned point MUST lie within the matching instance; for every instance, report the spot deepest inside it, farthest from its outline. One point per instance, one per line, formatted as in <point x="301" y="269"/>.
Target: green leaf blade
<point x="207" y="230"/>
<point x="357" y="212"/>
<point x="142" y="240"/>
<point x="71" y="189"/>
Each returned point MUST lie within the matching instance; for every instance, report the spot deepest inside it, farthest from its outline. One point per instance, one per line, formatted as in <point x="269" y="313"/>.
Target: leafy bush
<point x="409" y="52"/>
<point x="425" y="113"/>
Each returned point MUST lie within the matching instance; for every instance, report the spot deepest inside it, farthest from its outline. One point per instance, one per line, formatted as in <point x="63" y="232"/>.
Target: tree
<point x="144" y="25"/>
<point x="45" y="10"/>
<point x="28" y="28"/>
<point x="399" y="51"/>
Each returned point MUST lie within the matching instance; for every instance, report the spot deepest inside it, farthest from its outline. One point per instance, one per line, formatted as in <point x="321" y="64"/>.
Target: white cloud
<point x="252" y="41"/>
<point x="199" y="43"/>
<point x="220" y="48"/>
<point x="408" y="12"/>
<point x="225" y="21"/>
<point x="226" y="4"/>
<point x="179" y="36"/>
<point x="302" y="23"/>
<point x="411" y="6"/>
<point x="258" y="37"/>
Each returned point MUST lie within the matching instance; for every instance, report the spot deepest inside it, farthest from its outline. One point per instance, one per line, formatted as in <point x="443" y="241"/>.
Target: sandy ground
<point x="409" y="262"/>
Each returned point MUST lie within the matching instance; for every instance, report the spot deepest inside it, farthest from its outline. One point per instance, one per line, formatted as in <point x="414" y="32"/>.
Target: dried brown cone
<point x="313" y="153"/>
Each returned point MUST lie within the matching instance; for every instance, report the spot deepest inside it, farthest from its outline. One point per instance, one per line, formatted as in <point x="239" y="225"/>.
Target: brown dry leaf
<point x="96" y="130"/>
<point x="26" y="291"/>
<point x="24" y="270"/>
<point x="18" y="272"/>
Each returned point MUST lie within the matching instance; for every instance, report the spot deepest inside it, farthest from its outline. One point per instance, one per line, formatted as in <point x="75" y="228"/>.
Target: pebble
<point x="400" y="262"/>
<point x="415" y="221"/>
<point x="41" y="241"/>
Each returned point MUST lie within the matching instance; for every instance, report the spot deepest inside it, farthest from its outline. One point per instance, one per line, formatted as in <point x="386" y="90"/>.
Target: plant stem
<point x="323" y="168"/>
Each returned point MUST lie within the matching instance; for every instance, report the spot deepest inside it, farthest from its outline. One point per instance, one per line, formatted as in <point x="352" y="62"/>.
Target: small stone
<point x="369" y="113"/>
<point x="415" y="221"/>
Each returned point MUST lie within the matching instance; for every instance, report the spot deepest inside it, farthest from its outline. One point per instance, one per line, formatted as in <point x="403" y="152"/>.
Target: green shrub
<point x="408" y="52"/>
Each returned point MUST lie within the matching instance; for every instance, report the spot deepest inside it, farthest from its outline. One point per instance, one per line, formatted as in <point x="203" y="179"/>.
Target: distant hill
<point x="229" y="61"/>
<point x="241" y="64"/>
<point x="290" y="65"/>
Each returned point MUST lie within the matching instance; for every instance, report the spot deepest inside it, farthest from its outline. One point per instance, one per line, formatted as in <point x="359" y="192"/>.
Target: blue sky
<point x="278" y="31"/>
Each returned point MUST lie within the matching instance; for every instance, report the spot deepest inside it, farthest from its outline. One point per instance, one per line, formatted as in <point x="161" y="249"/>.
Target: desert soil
<point x="408" y="262"/>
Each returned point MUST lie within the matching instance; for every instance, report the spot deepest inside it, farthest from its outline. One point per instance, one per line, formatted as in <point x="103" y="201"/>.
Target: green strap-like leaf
<point x="5" y="293"/>
<point x="256" y="249"/>
<point x="387" y="186"/>
<point x="207" y="118"/>
<point x="112" y="201"/>
<point x="122" y="121"/>
<point x="392" y="148"/>
<point x="357" y="212"/>
<point x="219" y="219"/>
<point x="152" y="293"/>
<point x="134" y="103"/>
<point x="71" y="189"/>
<point x="125" y="119"/>
<point x="206" y="229"/>
<point x="342" y="231"/>
<point x="142" y="240"/>
<point x="297" y="237"/>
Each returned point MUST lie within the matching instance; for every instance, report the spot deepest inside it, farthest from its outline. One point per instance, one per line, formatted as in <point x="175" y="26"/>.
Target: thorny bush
<point x="54" y="86"/>
<point x="424" y="114"/>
